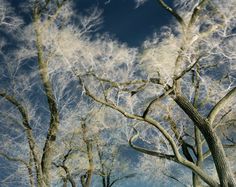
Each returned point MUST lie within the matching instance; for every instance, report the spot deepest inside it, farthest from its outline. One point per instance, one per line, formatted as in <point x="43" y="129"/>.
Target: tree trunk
<point x="68" y="176"/>
<point x="49" y="145"/>
<point x="89" y="149"/>
<point x="196" y="178"/>
<point x="214" y="143"/>
<point x="91" y="166"/>
<point x="29" y="134"/>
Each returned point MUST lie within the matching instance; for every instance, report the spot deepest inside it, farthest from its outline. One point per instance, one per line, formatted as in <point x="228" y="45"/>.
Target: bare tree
<point x="44" y="133"/>
<point x="20" y="106"/>
<point x="184" y="89"/>
<point x="92" y="151"/>
<point x="177" y="91"/>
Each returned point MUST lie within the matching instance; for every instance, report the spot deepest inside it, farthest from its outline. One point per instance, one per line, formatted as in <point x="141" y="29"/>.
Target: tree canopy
<point x="75" y="103"/>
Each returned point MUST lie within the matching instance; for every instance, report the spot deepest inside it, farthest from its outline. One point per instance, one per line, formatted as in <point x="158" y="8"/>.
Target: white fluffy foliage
<point x="8" y="19"/>
<point x="67" y="47"/>
<point x="161" y="172"/>
<point x="103" y="130"/>
<point x="149" y="164"/>
<point x="139" y="2"/>
<point x="159" y="55"/>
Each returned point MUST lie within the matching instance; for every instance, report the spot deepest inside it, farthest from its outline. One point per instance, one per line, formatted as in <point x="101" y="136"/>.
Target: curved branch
<point x="122" y="178"/>
<point x="206" y="154"/>
<point x="14" y="159"/>
<point x="68" y="176"/>
<point x="117" y="84"/>
<point x="224" y="101"/>
<point x="170" y="89"/>
<point x="139" y="118"/>
<point x="30" y="137"/>
<point x="156" y="100"/>
<point x="154" y="123"/>
<point x="89" y="148"/>
<point x="21" y="109"/>
<point x="196" y="12"/>
<point x="189" y="68"/>
<point x="185" y="162"/>
<point x="229" y="145"/>
<point x="149" y="152"/>
<point x="66" y="169"/>
<point x="184" y="144"/>
<point x="27" y="165"/>
<point x="174" y="178"/>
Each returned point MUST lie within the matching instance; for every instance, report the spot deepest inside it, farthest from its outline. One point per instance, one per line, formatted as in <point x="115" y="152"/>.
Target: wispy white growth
<point x="159" y="55"/>
<point x="139" y="3"/>
<point x="8" y="19"/>
<point x="134" y="82"/>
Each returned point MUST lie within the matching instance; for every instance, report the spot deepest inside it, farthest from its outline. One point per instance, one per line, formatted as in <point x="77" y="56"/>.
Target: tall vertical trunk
<point x="197" y="133"/>
<point x="91" y="164"/>
<point x="198" y="143"/>
<point x="49" y="145"/>
<point x="35" y="156"/>
<point x="30" y="171"/>
<point x="69" y="176"/>
<point x="104" y="182"/>
<point x="89" y="150"/>
<point x="64" y="182"/>
<point x="222" y="166"/>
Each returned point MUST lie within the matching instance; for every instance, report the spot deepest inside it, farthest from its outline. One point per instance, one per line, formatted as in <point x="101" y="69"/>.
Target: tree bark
<point x="197" y="133"/>
<point x="68" y="176"/>
<point x="89" y="149"/>
<point x="49" y="145"/>
<point x="214" y="143"/>
<point x="91" y="166"/>
<point x="29" y="135"/>
<point x="196" y="178"/>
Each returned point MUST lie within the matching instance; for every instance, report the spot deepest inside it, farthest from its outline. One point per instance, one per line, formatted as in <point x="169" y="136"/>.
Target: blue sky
<point x="125" y="22"/>
<point x="122" y="20"/>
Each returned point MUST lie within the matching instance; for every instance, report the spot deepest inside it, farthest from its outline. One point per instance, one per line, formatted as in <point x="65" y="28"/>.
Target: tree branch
<point x="213" y="141"/>
<point x="21" y="109"/>
<point x="166" y="93"/>
<point x="181" y="74"/>
<point x="27" y="165"/>
<point x="14" y="159"/>
<point x="175" y="14"/>
<point x="89" y="148"/>
<point x="221" y="104"/>
<point x="122" y="178"/>
<point x="29" y="134"/>
<point x="66" y="169"/>
<point x="184" y="145"/>
<point x="170" y="89"/>
<point x="196" y="12"/>
<point x="154" y="123"/>
<point x="46" y="161"/>
<point x="174" y="178"/>
<point x="149" y="152"/>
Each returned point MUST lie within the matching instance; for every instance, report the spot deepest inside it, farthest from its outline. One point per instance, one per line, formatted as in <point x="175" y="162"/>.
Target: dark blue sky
<point x="122" y="20"/>
<point x="127" y="23"/>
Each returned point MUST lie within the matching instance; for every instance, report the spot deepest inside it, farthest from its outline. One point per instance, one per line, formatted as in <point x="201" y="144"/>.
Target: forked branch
<point x="175" y="14"/>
